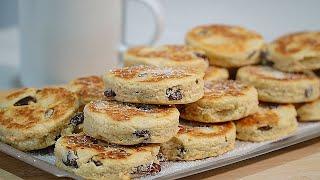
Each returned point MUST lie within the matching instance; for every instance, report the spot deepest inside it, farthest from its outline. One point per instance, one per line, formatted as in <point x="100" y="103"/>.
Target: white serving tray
<point x="44" y="159"/>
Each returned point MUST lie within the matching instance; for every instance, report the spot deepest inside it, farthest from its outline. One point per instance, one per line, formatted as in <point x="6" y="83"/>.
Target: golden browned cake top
<point x="216" y="89"/>
<point x="266" y="115"/>
<point x="88" y="88"/>
<point x="205" y="130"/>
<point x="226" y="38"/>
<point x="120" y="111"/>
<point x="304" y="43"/>
<point x="267" y="72"/>
<point x="170" y="52"/>
<point x="144" y="73"/>
<point x="102" y="149"/>
<point x="25" y="108"/>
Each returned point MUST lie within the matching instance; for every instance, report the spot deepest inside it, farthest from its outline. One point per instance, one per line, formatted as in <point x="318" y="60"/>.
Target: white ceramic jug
<point x="65" y="39"/>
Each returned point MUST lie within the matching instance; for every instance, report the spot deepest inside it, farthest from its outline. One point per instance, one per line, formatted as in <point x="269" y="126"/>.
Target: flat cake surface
<point x="151" y="73"/>
<point x="297" y="45"/>
<point x="119" y="111"/>
<point x="223" y="39"/>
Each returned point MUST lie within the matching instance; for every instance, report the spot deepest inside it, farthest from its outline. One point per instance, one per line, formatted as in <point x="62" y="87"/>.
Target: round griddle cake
<point x="280" y="87"/>
<point x="223" y="101"/>
<point x="296" y="52"/>
<point x="32" y="118"/>
<point x="309" y="111"/>
<point x="129" y="124"/>
<point x="154" y="85"/>
<point x="271" y="122"/>
<point x="198" y="141"/>
<point x="227" y="46"/>
<point x="95" y="159"/>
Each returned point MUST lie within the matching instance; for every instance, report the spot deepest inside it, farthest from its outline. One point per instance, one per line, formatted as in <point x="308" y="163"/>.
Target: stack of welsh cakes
<point x="206" y="128"/>
<point x="123" y="130"/>
<point x="171" y="102"/>
<point x="280" y="71"/>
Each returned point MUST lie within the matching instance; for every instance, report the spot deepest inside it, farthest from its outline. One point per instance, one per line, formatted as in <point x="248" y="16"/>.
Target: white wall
<point x="269" y="17"/>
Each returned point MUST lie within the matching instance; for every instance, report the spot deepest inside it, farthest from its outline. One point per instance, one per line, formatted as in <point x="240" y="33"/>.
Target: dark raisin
<point x="94" y="141"/>
<point x="266" y="62"/>
<point x="174" y="93"/>
<point x="109" y="93"/>
<point x="197" y="81"/>
<point x="144" y="107"/>
<point x="77" y="119"/>
<point x="25" y="101"/>
<point x="71" y="160"/>
<point x="232" y="73"/>
<point x="251" y="54"/>
<point x="181" y="151"/>
<point x="200" y="55"/>
<point x="145" y="134"/>
<point x="308" y="92"/>
<point x="57" y="137"/>
<point x="265" y="128"/>
<point x="97" y="163"/>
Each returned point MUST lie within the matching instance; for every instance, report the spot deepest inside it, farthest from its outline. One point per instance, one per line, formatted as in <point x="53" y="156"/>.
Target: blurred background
<point x="269" y="17"/>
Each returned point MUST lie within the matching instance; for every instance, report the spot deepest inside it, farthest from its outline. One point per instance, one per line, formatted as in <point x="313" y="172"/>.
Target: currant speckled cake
<point x="280" y="87"/>
<point x="32" y="118"/>
<point x="154" y="85"/>
<point x="271" y="122"/>
<point x="223" y="100"/>
<point x="96" y="159"/>
<point x="296" y="52"/>
<point x="226" y="45"/>
<point x="129" y="124"/>
<point x="198" y="141"/>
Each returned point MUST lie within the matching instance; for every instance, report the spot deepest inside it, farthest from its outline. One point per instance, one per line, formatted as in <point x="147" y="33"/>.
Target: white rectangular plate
<point x="44" y="159"/>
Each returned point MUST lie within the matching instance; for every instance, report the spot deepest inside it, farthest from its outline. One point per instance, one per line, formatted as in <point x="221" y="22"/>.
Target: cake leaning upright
<point x="296" y="52"/>
<point x="280" y="87"/>
<point x="227" y="46"/>
<point x="154" y="85"/>
<point x="167" y="56"/>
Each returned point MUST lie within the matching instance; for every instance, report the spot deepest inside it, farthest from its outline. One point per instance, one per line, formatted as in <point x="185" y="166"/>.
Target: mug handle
<point x="158" y="15"/>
